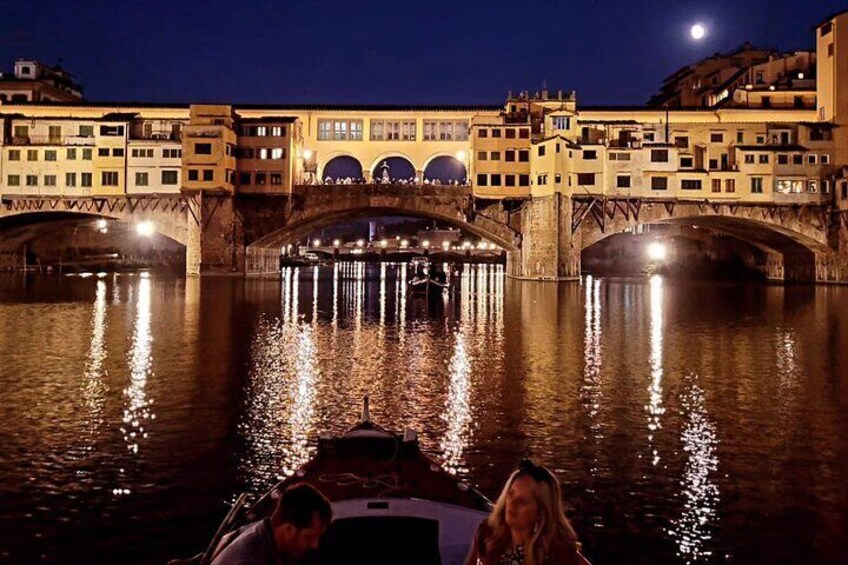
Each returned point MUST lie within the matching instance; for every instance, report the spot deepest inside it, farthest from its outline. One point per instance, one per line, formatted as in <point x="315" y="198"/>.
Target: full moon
<point x="698" y="31"/>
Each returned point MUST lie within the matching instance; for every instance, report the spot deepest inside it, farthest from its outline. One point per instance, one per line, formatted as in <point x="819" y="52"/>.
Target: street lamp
<point x="383" y="243"/>
<point x="145" y="228"/>
<point x="425" y="244"/>
<point x="404" y="243"/>
<point x="360" y="242"/>
<point x="446" y="245"/>
<point x="657" y="251"/>
<point x="316" y="243"/>
<point x="336" y="243"/>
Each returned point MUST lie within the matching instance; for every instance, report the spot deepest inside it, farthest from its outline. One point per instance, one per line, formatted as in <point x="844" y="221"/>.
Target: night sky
<point x="440" y="52"/>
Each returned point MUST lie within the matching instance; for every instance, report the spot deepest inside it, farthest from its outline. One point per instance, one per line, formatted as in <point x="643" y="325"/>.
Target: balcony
<point x="159" y="136"/>
<point x="203" y="133"/>
<point x="52" y="140"/>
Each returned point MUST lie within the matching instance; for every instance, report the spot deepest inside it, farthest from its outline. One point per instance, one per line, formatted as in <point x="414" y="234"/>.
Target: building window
<point x="541" y="151"/>
<point x="141" y="179"/>
<point x="690" y="184"/>
<point x="740" y="137"/>
<point x="325" y="130"/>
<point x="824" y="159"/>
<point x="261" y="179"/>
<point x="482" y="133"/>
<point x="764" y="159"/>
<point x="14" y="180"/>
<point x="103" y="152"/>
<point x="783" y="159"/>
<point x="749" y="158"/>
<point x="54" y="133"/>
<point x="615" y="156"/>
<point x="659" y="183"/>
<point x="524" y="156"/>
<point x="716" y="185"/>
<point x="70" y="179"/>
<point x="798" y="159"/>
<point x="85" y="179"/>
<point x="812" y="186"/>
<point x="203" y="148"/>
<point x="376" y="130"/>
<point x="193" y="175"/>
<point x="830" y="50"/>
<point x="32" y="180"/>
<point x="86" y="131"/>
<point x="586" y="179"/>
<point x="407" y="131"/>
<point x="590" y="154"/>
<point x="812" y="159"/>
<point x="32" y="154"/>
<point x="622" y="181"/>
<point x="111" y="130"/>
<point x="713" y="164"/>
<point x="21" y="132"/>
<point x="71" y="153"/>
<point x="659" y="155"/>
<point x="482" y="180"/>
<point x="49" y="180"/>
<point x="756" y="185"/>
<point x="86" y="154"/>
<point x="208" y="175"/>
<point x="524" y="133"/>
<point x="170" y="177"/>
<point x="542" y="180"/>
<point x="510" y="133"/>
<point x="495" y="156"/>
<point x="649" y="136"/>
<point x="277" y="153"/>
<point x="681" y="141"/>
<point x="172" y="153"/>
<point x="482" y="155"/>
<point x="109" y="178"/>
<point x="276" y="179"/>
<point x="523" y="180"/>
<point x="687" y="162"/>
<point x="262" y="153"/>
<point x="14" y="154"/>
<point x="730" y="185"/>
<point x="278" y="131"/>
<point x="509" y="155"/>
<point x="117" y="152"/>
<point x="716" y="137"/>
<point x="562" y="122"/>
<point x="244" y="179"/>
<point x="142" y="153"/>
<point x="495" y="180"/>
<point x="496" y="132"/>
<point x="509" y="180"/>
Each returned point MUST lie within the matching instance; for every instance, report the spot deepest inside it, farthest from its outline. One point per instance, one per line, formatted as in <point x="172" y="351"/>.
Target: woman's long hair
<point x="552" y="525"/>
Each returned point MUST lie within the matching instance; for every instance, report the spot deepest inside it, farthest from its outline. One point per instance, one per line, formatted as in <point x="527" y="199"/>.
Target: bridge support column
<point x="215" y="241"/>
<point x="833" y="266"/>
<point x="262" y="261"/>
<point x="549" y="251"/>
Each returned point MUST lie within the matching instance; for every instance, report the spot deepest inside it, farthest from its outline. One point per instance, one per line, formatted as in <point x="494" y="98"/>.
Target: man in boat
<point x="301" y="517"/>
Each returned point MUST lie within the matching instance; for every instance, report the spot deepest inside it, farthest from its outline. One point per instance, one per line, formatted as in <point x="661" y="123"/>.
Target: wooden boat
<point x="391" y="503"/>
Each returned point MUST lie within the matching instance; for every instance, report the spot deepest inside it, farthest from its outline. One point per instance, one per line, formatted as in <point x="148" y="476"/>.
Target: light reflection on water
<point x="246" y="374"/>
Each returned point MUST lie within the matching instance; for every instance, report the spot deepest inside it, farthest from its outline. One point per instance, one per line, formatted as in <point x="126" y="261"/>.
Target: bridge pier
<point x="550" y="251"/>
<point x="215" y="238"/>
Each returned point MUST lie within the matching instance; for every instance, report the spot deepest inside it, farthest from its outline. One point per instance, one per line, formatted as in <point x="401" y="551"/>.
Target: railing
<point x="203" y="133"/>
<point x="52" y="140"/>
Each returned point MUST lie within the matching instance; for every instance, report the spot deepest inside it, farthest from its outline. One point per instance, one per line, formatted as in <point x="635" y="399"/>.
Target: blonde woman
<point x="527" y="525"/>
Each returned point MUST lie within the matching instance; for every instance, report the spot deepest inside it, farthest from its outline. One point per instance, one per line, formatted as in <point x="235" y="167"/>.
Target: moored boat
<point x="391" y="502"/>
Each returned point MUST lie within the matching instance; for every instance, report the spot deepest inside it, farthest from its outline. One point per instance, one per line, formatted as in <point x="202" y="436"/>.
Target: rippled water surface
<point x="688" y="422"/>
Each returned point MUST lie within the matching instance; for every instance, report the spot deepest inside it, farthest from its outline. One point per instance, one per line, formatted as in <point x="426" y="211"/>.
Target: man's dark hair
<point x="299" y="504"/>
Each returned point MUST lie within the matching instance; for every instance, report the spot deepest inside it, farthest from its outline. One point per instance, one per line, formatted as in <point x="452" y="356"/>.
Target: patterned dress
<point x="513" y="556"/>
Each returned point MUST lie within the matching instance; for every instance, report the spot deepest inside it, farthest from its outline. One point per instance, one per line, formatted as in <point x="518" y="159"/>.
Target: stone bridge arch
<point x="170" y="214"/>
<point x="267" y="228"/>
<point x="794" y="238"/>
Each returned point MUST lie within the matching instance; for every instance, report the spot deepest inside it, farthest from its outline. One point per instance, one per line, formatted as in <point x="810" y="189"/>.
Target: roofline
<point x="829" y="18"/>
<point x="289" y="107"/>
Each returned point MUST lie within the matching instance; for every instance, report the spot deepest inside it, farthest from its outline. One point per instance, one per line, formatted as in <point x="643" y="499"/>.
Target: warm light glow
<point x="336" y="243"/>
<point x="801" y="76"/>
<point x="307" y="154"/>
<point x="102" y="225"/>
<point x="404" y="243"/>
<point x="145" y="229"/>
<point x="657" y="251"/>
<point x="316" y="243"/>
<point x="461" y="155"/>
<point x="425" y="244"/>
<point x="466" y="244"/>
<point x="698" y="32"/>
<point x="445" y="245"/>
<point x="383" y="243"/>
<point x="360" y="242"/>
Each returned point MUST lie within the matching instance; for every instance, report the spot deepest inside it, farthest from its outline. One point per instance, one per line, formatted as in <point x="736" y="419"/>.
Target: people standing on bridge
<point x="528" y="525"/>
<point x="301" y="517"/>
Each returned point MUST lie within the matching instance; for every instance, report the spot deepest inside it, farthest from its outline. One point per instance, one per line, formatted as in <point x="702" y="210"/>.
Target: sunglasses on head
<point x="535" y="472"/>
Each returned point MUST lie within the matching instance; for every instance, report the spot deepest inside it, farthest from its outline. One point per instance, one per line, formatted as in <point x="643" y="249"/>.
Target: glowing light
<point x="102" y="225"/>
<point x="307" y="154"/>
<point x="466" y="244"/>
<point x="404" y="243"/>
<point x="657" y="251"/>
<point x="461" y="155"/>
<point x="336" y="243"/>
<point x="425" y="244"/>
<point x="698" y="32"/>
<point x="445" y="245"/>
<point x="800" y="76"/>
<point x="316" y="243"/>
<point x="360" y="242"/>
<point x="383" y="243"/>
<point x="145" y="229"/>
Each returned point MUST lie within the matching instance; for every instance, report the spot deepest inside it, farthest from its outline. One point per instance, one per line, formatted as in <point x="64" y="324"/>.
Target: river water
<point x="688" y="422"/>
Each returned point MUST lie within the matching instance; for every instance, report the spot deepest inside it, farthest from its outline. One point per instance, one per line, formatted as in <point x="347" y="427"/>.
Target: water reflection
<point x="655" y="390"/>
<point x="693" y="529"/>
<point x="591" y="391"/>
<point x="457" y="413"/>
<point x="93" y="387"/>
<point x="138" y="409"/>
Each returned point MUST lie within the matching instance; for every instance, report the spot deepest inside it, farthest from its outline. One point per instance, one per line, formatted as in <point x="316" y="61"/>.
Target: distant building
<point x="747" y="77"/>
<point x="35" y="82"/>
